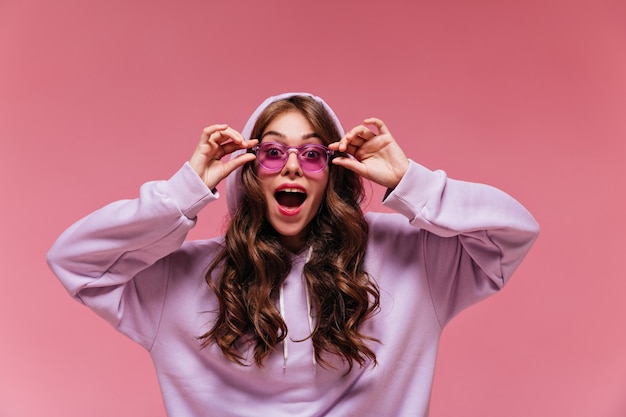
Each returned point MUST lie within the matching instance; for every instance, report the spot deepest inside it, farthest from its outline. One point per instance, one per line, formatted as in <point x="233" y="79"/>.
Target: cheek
<point x="262" y="172"/>
<point x="320" y="181"/>
<point x="320" y="176"/>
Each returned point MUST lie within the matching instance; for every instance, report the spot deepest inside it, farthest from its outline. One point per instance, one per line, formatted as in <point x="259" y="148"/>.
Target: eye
<point x="311" y="152"/>
<point x="273" y="151"/>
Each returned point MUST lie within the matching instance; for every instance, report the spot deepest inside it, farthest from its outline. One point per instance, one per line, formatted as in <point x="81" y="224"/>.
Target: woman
<point x="306" y="306"/>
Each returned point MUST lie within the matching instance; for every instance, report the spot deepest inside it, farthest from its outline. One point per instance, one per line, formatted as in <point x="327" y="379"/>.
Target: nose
<point x="292" y="166"/>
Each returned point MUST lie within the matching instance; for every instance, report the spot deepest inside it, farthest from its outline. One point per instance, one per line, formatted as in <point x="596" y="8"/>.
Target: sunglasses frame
<point x="298" y="149"/>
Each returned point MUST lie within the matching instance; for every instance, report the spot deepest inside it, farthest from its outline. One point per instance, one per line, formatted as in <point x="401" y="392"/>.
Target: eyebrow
<point x="283" y="136"/>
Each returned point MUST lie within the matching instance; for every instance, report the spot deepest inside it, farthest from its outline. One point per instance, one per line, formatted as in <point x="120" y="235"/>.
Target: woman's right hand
<point x="216" y="142"/>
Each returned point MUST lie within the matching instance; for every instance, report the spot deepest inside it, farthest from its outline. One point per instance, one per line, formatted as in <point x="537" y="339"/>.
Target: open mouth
<point x="290" y="197"/>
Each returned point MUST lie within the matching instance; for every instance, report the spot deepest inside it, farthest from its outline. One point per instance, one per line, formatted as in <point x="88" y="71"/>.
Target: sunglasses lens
<point x="273" y="156"/>
<point x="312" y="157"/>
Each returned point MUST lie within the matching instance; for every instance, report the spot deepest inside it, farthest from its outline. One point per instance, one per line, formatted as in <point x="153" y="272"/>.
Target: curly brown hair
<point x="253" y="263"/>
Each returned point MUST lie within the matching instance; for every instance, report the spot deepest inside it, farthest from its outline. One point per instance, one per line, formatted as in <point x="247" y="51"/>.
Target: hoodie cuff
<point x="416" y="188"/>
<point x="188" y="191"/>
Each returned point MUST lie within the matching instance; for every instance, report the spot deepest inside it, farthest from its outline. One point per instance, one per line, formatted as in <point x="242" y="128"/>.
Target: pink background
<point x="97" y="97"/>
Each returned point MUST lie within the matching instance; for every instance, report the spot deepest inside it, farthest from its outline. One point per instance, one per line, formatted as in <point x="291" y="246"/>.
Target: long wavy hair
<point x="253" y="264"/>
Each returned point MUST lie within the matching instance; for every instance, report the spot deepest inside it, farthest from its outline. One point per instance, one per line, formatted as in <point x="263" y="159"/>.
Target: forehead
<point x="291" y="127"/>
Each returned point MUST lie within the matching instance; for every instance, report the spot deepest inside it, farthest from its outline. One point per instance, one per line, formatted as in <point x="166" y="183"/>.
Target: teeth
<point x="291" y="190"/>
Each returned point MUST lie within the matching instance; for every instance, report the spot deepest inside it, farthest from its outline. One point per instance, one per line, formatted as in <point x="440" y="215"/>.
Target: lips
<point x="290" y="197"/>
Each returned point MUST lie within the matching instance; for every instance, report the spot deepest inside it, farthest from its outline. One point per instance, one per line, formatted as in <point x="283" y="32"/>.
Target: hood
<point x="234" y="190"/>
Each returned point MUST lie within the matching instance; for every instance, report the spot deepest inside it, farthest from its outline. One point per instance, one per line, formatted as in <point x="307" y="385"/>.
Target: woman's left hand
<point x="377" y="156"/>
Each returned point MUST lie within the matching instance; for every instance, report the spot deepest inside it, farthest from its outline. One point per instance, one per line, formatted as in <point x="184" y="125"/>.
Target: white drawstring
<point x="308" y="307"/>
<point x="281" y="301"/>
<point x="281" y="296"/>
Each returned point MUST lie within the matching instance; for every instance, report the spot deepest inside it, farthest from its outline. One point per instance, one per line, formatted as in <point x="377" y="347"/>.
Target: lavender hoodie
<point x="449" y="245"/>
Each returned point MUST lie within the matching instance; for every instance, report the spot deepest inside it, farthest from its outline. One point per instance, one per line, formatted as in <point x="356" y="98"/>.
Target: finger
<point x="234" y="163"/>
<point x="360" y="132"/>
<point x="231" y="147"/>
<point x="210" y="130"/>
<point x="346" y="146"/>
<point x="355" y="137"/>
<point x="366" y="133"/>
<point x="355" y="140"/>
<point x="226" y="135"/>
<point x="334" y="146"/>
<point x="351" y="164"/>
<point x="380" y="125"/>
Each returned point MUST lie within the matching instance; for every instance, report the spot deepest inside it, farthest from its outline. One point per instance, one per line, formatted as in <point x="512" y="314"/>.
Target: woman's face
<point x="292" y="195"/>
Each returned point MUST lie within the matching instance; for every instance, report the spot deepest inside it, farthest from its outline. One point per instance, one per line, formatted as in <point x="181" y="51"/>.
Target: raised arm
<point x="474" y="235"/>
<point x="99" y="258"/>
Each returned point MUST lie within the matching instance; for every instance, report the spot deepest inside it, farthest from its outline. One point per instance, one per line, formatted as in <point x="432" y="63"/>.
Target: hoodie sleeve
<point x="99" y="259"/>
<point x="476" y="235"/>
